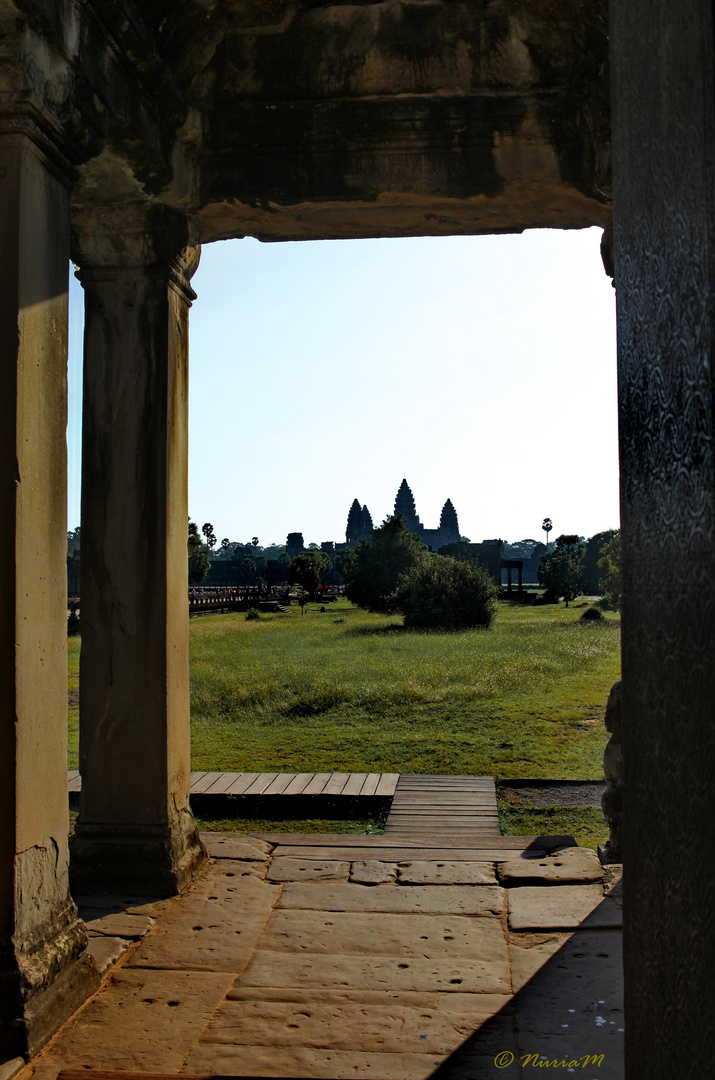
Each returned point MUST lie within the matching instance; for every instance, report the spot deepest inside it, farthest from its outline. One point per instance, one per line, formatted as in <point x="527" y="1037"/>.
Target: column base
<point x="42" y="987"/>
<point x="143" y="860"/>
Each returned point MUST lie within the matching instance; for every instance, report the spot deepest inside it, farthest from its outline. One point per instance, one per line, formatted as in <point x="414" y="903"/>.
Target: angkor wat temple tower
<point x="360" y="522"/>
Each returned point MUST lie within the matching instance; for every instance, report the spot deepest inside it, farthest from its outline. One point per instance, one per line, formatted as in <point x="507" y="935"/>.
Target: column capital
<point x="136" y="239"/>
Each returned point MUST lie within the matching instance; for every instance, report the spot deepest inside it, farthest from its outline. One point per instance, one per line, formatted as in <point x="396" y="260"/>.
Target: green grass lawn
<point x="349" y="691"/>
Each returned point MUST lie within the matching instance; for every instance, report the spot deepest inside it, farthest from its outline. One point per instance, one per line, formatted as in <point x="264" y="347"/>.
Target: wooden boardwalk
<point x="432" y="818"/>
<point x="271" y="783"/>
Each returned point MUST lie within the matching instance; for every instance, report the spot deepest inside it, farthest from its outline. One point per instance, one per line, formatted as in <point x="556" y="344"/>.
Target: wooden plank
<point x="387" y="784"/>
<point x="346" y="840"/>
<point x="442" y="815"/>
<point x="400" y="853"/>
<point x="336" y="783"/>
<point x="280" y="783"/>
<point x="74" y="781"/>
<point x="222" y="785"/>
<point x="202" y="785"/>
<point x="472" y="783"/>
<point x="299" y="783"/>
<point x="244" y="781"/>
<point x="317" y="784"/>
<point x="195" y="777"/>
<point x="370" y="785"/>
<point x="260" y="784"/>
<point x="355" y="783"/>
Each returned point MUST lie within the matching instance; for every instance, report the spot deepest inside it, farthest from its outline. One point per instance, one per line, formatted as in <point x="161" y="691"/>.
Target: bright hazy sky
<point x="482" y="369"/>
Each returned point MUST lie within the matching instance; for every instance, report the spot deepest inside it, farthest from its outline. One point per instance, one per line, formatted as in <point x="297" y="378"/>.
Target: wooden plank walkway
<point x="432" y="818"/>
<point x="272" y="783"/>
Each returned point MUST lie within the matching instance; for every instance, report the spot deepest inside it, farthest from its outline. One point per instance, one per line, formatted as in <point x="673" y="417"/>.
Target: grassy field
<point x="349" y="691"/>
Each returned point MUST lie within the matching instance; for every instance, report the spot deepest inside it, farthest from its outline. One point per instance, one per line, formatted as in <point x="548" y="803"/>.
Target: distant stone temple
<point x="360" y="522"/>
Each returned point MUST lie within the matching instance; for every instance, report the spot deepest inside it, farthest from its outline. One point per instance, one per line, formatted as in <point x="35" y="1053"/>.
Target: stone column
<point x="663" y="65"/>
<point x="135" y="831"/>
<point x="44" y="974"/>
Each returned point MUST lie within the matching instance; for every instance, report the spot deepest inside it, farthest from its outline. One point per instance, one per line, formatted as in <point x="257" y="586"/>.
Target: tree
<point x="284" y="560"/>
<point x="73" y="541"/>
<point x="547" y="527"/>
<point x="440" y="593"/>
<point x="342" y="562"/>
<point x="377" y="564"/>
<point x="199" y="564"/>
<point x="610" y="564"/>
<point x="208" y="530"/>
<point x="590" y="561"/>
<point x="307" y="569"/>
<point x="248" y="570"/>
<point x="560" y="570"/>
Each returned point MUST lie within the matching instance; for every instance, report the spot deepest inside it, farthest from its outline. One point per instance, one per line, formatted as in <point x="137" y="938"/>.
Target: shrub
<point x="441" y="593"/>
<point x="592" y="614"/>
<point x="252" y="613"/>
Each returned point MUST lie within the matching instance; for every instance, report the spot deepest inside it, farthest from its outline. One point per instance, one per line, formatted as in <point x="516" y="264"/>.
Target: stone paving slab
<point x="286" y="868"/>
<point x="105" y="951"/>
<point x="532" y="907"/>
<point x="141" y="1020"/>
<point x="233" y="846"/>
<point x="378" y="934"/>
<point x="123" y="903"/>
<point x="446" y="873"/>
<point x="528" y="953"/>
<point x="372" y="872"/>
<point x="574" y="1005"/>
<point x="488" y="974"/>
<point x="117" y="924"/>
<point x="408" y="899"/>
<point x="216" y="1059"/>
<point x="572" y="866"/>
<point x="338" y="1024"/>
<point x="430" y="1000"/>
<point x="215" y="927"/>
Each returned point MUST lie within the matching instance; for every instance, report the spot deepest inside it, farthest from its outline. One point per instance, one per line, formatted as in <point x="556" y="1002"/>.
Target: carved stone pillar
<point x="44" y="973"/>
<point x="663" y="64"/>
<point x="135" y="831"/>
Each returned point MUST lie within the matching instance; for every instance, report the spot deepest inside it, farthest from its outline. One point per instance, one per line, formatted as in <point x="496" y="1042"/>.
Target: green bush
<point x="252" y="613"/>
<point x="441" y="593"/>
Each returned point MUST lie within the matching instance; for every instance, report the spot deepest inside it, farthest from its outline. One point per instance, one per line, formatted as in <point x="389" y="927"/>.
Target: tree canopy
<point x="372" y="576"/>
<point x="199" y="563"/>
<point x="591" y="561"/>
<point x="560" y="569"/>
<point x="610" y="565"/>
<point x="308" y="568"/>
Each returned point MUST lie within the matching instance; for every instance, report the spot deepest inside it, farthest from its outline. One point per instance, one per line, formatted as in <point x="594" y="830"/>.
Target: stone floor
<point x="277" y="966"/>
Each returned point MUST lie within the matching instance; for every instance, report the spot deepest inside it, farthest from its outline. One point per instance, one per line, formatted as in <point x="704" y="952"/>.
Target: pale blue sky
<point x="480" y="368"/>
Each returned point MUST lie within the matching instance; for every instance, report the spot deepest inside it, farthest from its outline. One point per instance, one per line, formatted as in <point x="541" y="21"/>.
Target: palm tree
<point x="547" y="527"/>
